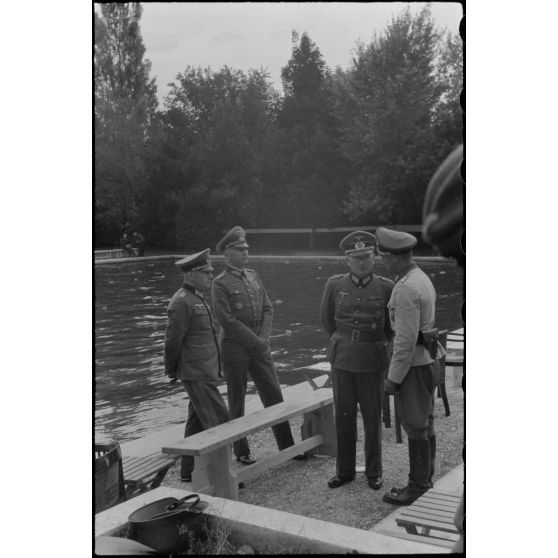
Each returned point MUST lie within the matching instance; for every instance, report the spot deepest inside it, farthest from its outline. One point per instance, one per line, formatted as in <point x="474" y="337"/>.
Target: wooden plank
<point x="426" y="515"/>
<point x="440" y="506"/>
<point x="147" y="463"/>
<point x="250" y="471"/>
<point x="438" y="541"/>
<point x="148" y="471"/>
<point x="444" y="514"/>
<point x="228" y="432"/>
<point x="440" y="496"/>
<point x="432" y="501"/>
<point x="428" y="523"/>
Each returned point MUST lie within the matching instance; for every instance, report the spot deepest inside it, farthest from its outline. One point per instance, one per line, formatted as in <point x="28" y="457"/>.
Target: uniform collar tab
<point x="361" y="281"/>
<point x="236" y="270"/>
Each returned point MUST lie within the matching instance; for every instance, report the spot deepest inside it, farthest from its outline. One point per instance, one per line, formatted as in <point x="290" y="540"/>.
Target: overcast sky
<point x="247" y="35"/>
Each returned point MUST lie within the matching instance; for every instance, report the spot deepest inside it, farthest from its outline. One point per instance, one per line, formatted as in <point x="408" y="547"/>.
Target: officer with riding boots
<point x="413" y="372"/>
<point x="245" y="313"/>
<point x="192" y="351"/>
<point x="354" y="314"/>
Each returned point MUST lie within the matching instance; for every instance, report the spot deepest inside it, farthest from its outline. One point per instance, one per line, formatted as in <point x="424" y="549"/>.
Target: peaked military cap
<point x="358" y="242"/>
<point x="196" y="262"/>
<point x="235" y="238"/>
<point x="395" y="242"/>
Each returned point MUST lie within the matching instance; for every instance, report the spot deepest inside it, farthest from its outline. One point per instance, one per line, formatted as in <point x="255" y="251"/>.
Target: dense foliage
<point x="352" y="146"/>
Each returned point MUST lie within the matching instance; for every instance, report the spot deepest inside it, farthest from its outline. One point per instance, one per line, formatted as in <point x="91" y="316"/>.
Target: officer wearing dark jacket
<point x="245" y="314"/>
<point x="413" y="372"/>
<point x="192" y="351"/>
<point x="354" y="314"/>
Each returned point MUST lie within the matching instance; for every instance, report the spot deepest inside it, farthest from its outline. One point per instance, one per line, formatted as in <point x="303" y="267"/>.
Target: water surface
<point x="133" y="396"/>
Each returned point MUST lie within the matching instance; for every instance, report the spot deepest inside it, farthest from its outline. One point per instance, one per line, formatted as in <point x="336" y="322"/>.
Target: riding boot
<point x="432" y="440"/>
<point x="419" y="462"/>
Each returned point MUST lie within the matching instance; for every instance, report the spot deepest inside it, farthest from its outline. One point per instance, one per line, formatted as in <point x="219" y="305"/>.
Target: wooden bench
<point x="433" y="511"/>
<point x="212" y="448"/>
<point x="145" y="473"/>
<point x="139" y="473"/>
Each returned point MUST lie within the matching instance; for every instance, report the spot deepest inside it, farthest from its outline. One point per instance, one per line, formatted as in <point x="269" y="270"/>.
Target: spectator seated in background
<point x="138" y="243"/>
<point x="126" y="245"/>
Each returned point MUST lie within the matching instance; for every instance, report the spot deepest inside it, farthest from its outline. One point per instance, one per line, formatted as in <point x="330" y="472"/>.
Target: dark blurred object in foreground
<point x="442" y="214"/>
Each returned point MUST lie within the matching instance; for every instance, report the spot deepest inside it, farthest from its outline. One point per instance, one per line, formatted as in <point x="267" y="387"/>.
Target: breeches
<point x="415" y="401"/>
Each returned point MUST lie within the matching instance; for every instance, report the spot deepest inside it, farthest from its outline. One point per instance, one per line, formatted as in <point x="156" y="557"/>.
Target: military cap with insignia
<point x="358" y="242"/>
<point x="235" y="238"/>
<point x="196" y="262"/>
<point x="395" y="242"/>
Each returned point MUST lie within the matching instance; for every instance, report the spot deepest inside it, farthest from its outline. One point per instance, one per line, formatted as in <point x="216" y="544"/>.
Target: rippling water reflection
<point x="132" y="394"/>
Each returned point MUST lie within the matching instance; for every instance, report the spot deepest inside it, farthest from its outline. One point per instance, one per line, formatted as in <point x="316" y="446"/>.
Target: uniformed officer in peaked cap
<point x="245" y="314"/>
<point x="192" y="351"/>
<point x="413" y="371"/>
<point x="354" y="314"/>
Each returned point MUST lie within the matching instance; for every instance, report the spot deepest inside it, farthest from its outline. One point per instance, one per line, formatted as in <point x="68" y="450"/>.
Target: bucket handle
<point x="174" y="505"/>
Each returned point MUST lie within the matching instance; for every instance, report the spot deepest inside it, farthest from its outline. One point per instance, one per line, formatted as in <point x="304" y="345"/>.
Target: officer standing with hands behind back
<point x="354" y="314"/>
<point x="246" y="314"/>
<point x="192" y="351"/>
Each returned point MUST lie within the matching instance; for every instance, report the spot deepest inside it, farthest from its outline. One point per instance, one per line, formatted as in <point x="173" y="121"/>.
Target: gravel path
<point x="301" y="486"/>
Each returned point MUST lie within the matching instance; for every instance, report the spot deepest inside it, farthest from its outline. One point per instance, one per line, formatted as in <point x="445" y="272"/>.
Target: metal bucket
<point x="165" y="525"/>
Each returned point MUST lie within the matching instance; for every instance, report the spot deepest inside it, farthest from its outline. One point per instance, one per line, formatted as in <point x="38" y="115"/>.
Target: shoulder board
<point x="246" y="270"/>
<point x="337" y="276"/>
<point x="385" y="279"/>
<point x="220" y="276"/>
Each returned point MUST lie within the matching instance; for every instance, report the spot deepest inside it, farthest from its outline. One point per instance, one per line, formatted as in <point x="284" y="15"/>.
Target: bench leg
<point x="442" y="388"/>
<point x="212" y="474"/>
<point x="386" y="411"/>
<point x="398" y="437"/>
<point x="320" y="421"/>
<point x="159" y="478"/>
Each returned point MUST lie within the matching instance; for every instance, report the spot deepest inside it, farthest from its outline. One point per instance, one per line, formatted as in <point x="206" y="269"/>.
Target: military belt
<point x="360" y="335"/>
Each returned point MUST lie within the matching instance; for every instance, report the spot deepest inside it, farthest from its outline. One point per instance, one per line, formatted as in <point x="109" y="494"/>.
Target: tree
<point x="388" y="102"/>
<point x="125" y="104"/>
<point x="218" y="129"/>
<point x="313" y="164"/>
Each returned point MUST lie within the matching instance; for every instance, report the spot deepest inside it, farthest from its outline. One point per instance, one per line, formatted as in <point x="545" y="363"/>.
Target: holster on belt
<point x="429" y="338"/>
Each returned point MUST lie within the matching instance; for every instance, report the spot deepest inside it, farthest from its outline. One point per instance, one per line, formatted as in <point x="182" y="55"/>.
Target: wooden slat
<point x="439" y="513"/>
<point x="438" y="541"/>
<point x="430" y="524"/>
<point x="147" y="465"/>
<point x="445" y="518"/>
<point x="435" y="505"/>
<point x="451" y="504"/>
<point x="250" y="471"/>
<point x="141" y="475"/>
<point x="432" y="495"/>
<point x="226" y="433"/>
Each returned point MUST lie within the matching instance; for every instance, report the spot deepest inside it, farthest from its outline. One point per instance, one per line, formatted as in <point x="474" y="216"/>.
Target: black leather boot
<point x="432" y="441"/>
<point x="419" y="461"/>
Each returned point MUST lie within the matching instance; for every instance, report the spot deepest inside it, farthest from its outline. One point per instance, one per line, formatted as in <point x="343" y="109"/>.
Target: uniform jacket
<point x="346" y="308"/>
<point x="243" y="310"/>
<point x="411" y="308"/>
<point x="191" y="348"/>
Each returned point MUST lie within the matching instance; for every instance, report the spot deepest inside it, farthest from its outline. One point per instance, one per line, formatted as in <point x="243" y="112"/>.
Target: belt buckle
<point x="355" y="336"/>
